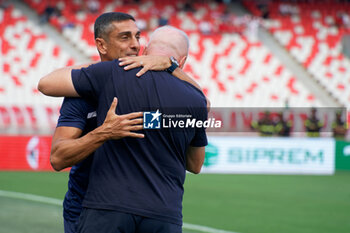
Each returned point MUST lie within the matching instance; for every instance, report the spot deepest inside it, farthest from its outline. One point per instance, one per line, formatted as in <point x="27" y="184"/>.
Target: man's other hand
<point x="147" y="62"/>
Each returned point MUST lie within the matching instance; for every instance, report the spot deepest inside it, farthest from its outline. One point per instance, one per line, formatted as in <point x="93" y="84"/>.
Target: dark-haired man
<point x="77" y="135"/>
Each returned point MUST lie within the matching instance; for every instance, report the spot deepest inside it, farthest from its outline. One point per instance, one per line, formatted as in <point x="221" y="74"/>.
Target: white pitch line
<point x="58" y="202"/>
<point x="31" y="197"/>
<point x="204" y="228"/>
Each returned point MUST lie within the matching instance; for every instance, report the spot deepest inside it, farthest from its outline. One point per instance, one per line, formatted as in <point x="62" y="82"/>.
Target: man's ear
<point x="101" y="45"/>
<point x="182" y="62"/>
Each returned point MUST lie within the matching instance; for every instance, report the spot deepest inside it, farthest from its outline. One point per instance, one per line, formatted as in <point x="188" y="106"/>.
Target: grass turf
<point x="269" y="203"/>
<point x="18" y="216"/>
<point x="241" y="203"/>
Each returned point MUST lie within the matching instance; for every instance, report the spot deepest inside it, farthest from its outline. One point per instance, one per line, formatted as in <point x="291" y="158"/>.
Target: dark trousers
<point x="109" y="221"/>
<point x="70" y="226"/>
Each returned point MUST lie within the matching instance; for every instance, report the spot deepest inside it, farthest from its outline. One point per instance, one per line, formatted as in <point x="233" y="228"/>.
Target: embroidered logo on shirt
<point x="91" y="115"/>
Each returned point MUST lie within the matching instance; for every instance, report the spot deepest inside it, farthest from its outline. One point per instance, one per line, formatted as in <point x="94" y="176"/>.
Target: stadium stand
<point x="312" y="33"/>
<point x="234" y="69"/>
<point x="225" y="85"/>
<point x="26" y="55"/>
<point x="238" y="72"/>
<point x="76" y="21"/>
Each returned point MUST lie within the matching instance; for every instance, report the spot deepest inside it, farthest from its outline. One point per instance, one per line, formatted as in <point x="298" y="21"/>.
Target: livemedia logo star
<point x="151" y="120"/>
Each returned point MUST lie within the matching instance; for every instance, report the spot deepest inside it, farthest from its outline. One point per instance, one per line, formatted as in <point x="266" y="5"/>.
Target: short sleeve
<point x="88" y="82"/>
<point x="200" y="137"/>
<point x="73" y="113"/>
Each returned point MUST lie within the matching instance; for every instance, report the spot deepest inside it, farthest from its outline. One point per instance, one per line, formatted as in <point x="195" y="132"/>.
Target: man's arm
<point x="151" y="62"/>
<point x="59" y="82"/>
<point x="68" y="148"/>
<point x="195" y="159"/>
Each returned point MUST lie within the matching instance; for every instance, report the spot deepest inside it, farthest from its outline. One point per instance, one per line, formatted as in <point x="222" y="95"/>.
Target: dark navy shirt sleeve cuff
<point x="200" y="141"/>
<point x="75" y="79"/>
<point x="71" y="124"/>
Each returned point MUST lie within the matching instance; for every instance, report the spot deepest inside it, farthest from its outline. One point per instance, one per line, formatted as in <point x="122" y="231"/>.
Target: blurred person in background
<point x="339" y="127"/>
<point x="282" y="126"/>
<point x="163" y="20"/>
<point x="4" y="4"/>
<point x="188" y="7"/>
<point x="265" y="126"/>
<point x="313" y="125"/>
<point x="93" y="6"/>
<point x="50" y="10"/>
<point x="165" y="15"/>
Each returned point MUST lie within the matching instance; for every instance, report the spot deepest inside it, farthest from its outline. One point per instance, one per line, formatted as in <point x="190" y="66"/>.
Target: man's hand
<point x="68" y="148"/>
<point x="120" y="126"/>
<point x="147" y="62"/>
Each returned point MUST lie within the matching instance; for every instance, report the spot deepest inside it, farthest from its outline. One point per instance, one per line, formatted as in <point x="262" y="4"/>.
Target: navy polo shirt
<point x="76" y="112"/>
<point x="140" y="176"/>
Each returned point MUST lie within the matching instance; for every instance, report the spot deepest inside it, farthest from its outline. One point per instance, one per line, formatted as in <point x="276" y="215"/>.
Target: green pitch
<point x="238" y="203"/>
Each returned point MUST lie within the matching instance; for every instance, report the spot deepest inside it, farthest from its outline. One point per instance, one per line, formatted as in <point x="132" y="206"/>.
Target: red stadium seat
<point x="27" y="54"/>
<point x="314" y="42"/>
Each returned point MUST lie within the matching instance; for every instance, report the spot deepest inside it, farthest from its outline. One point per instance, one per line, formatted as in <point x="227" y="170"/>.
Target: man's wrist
<point x="173" y="66"/>
<point x="101" y="133"/>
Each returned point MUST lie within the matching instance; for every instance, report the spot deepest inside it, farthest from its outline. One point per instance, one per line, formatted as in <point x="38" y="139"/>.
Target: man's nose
<point x="135" y="44"/>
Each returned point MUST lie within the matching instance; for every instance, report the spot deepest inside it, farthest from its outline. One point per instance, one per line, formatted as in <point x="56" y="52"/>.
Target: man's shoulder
<point x="100" y="66"/>
<point x="108" y="63"/>
<point x="184" y="90"/>
<point x="169" y="78"/>
<point x="191" y="90"/>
